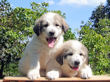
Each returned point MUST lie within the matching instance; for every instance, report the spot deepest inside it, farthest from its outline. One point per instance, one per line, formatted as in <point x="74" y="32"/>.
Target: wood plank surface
<point x="74" y="79"/>
<point x="1" y="80"/>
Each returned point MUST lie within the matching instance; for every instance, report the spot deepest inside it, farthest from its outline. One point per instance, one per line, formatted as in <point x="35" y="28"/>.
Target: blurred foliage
<point x="15" y="32"/>
<point x="69" y="35"/>
<point x="98" y="46"/>
<point x="95" y="34"/>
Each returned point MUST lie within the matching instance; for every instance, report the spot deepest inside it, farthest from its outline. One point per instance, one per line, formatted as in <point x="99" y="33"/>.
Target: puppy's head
<point x="50" y="27"/>
<point x="74" y="54"/>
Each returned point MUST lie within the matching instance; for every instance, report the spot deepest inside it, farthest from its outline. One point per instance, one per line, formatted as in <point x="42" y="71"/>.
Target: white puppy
<point x="70" y="60"/>
<point x="49" y="30"/>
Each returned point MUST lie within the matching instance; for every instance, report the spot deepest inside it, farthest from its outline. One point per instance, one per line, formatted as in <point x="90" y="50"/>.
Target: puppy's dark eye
<point x="56" y="24"/>
<point x="70" y="54"/>
<point x="45" y="25"/>
<point x="80" y="54"/>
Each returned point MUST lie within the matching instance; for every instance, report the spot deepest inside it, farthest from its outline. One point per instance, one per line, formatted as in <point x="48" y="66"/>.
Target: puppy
<point x="49" y="30"/>
<point x="70" y="60"/>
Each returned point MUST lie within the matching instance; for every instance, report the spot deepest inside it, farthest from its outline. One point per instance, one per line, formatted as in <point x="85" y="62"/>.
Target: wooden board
<point x="1" y="80"/>
<point x="43" y="79"/>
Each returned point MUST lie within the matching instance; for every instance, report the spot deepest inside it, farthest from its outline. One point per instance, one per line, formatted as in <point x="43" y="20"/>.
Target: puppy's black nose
<point x="76" y="63"/>
<point x="51" y="33"/>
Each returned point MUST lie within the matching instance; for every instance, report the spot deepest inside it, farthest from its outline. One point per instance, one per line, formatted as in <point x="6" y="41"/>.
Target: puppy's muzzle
<point x="51" y="33"/>
<point x="76" y="63"/>
<point x="51" y="39"/>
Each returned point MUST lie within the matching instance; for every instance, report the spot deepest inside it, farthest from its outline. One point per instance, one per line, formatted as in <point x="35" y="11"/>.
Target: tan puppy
<point x="70" y="60"/>
<point x="49" y="30"/>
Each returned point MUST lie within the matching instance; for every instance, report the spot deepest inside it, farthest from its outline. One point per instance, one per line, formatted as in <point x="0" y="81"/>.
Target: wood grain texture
<point x="65" y="79"/>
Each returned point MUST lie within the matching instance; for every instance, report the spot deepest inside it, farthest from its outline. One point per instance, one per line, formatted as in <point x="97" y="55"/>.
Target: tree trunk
<point x="1" y="69"/>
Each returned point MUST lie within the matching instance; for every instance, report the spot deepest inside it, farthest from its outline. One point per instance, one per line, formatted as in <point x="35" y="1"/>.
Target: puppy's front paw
<point x="53" y="74"/>
<point x="33" y="75"/>
<point x="86" y="73"/>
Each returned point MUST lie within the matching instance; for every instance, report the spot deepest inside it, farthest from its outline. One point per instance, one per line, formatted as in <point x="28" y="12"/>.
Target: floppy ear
<point x="62" y="54"/>
<point x="62" y="22"/>
<point x="65" y="26"/>
<point x="38" y="27"/>
<point x="86" y="54"/>
<point x="87" y="57"/>
<point x="59" y="59"/>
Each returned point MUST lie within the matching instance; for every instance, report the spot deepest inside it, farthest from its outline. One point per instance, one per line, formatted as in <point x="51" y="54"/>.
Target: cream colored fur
<point x="55" y="70"/>
<point x="37" y="53"/>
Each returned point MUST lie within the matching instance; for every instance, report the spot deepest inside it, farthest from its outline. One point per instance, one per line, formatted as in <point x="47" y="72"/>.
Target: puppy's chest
<point x="45" y="55"/>
<point x="44" y="58"/>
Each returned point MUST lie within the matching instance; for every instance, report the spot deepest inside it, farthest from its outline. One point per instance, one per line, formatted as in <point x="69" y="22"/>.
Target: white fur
<point x="53" y="74"/>
<point x="30" y="63"/>
<point x="86" y="72"/>
<point x="84" y="69"/>
<point x="37" y="52"/>
<point x="74" y="47"/>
